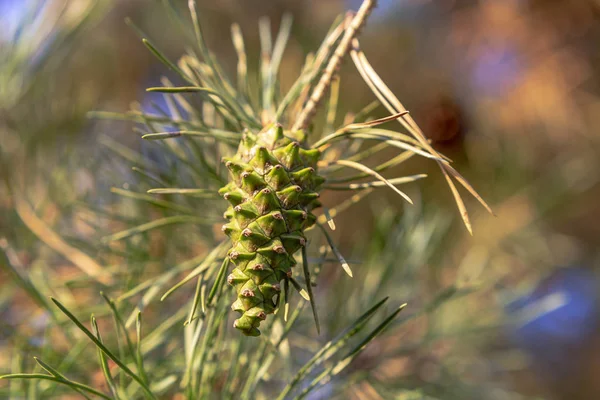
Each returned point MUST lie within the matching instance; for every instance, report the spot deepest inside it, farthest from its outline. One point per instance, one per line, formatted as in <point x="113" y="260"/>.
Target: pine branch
<point x="334" y="63"/>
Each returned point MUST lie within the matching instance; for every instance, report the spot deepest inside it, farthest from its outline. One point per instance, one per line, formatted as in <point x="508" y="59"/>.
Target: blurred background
<point x="508" y="89"/>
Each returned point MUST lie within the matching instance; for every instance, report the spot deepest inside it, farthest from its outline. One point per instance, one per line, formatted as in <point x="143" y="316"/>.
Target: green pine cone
<point x="273" y="188"/>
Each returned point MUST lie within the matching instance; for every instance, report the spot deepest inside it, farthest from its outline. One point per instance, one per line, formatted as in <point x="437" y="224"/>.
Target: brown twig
<point x="311" y="105"/>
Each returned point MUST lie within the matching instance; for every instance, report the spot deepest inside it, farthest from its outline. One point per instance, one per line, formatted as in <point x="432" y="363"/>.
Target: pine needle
<point x="339" y="256"/>
<point x="369" y="171"/>
<point x="392" y="103"/>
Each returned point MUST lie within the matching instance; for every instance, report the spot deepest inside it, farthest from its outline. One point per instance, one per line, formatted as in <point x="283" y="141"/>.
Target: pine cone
<point x="273" y="188"/>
